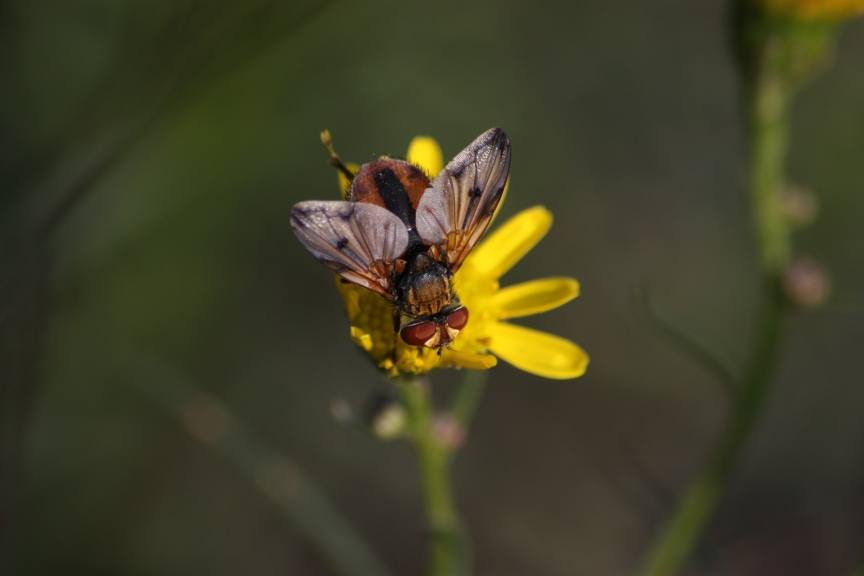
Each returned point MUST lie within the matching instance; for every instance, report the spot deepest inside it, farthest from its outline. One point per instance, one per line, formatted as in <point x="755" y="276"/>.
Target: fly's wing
<point x="458" y="206"/>
<point x="359" y="242"/>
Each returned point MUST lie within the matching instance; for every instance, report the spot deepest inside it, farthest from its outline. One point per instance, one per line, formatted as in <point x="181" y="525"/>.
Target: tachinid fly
<point x="403" y="236"/>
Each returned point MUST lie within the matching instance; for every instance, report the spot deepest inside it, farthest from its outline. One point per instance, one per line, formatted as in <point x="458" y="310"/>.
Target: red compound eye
<point x="458" y="319"/>
<point x="418" y="334"/>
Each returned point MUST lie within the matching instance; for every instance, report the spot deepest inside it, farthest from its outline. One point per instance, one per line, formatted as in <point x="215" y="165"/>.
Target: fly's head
<point x="428" y="313"/>
<point x="435" y="331"/>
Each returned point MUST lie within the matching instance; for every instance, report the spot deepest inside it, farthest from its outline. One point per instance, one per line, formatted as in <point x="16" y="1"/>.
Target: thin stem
<point x="768" y="109"/>
<point x="683" y="532"/>
<point x="448" y="547"/>
<point x="273" y="474"/>
<point x="468" y="397"/>
<point x="683" y="338"/>
<point x="768" y="100"/>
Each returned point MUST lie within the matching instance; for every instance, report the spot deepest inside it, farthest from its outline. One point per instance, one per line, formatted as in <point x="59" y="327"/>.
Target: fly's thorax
<point x="424" y="287"/>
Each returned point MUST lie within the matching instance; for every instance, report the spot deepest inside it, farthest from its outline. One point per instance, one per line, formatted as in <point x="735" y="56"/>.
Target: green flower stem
<point x="448" y="547"/>
<point x="769" y="100"/>
<point x="468" y="397"/>
<point x="683" y="532"/>
<point x="769" y="96"/>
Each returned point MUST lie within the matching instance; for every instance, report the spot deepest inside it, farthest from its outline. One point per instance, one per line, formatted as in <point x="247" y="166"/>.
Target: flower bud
<point x="385" y="416"/>
<point x="799" y="205"/>
<point x="449" y="431"/>
<point x="806" y="283"/>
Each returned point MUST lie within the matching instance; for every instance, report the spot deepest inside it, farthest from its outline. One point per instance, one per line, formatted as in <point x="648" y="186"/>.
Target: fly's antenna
<point x="335" y="161"/>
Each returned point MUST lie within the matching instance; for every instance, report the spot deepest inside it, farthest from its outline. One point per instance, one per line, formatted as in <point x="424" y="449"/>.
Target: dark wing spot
<point x="341" y="244"/>
<point x="493" y="205"/>
<point x="474" y="197"/>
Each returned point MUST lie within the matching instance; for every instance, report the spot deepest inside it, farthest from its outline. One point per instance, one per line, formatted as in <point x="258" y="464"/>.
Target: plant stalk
<point x="683" y="533"/>
<point x="448" y="549"/>
<point x="768" y="98"/>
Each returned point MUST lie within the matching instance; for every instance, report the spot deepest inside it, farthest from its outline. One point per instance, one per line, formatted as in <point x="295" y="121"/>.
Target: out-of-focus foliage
<point x="149" y="158"/>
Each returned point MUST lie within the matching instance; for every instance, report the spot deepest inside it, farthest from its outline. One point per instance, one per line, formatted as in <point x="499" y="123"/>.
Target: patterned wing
<point x="457" y="208"/>
<point x="359" y="242"/>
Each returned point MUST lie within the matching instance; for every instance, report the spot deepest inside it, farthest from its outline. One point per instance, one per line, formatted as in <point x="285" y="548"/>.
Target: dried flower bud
<point x="807" y="283"/>
<point x="800" y="205"/>
<point x="449" y="432"/>
<point x="385" y="416"/>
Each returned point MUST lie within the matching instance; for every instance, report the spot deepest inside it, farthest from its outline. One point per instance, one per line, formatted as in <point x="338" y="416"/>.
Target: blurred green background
<point x="150" y="155"/>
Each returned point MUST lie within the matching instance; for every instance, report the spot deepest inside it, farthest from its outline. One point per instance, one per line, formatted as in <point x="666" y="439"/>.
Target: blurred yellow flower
<point x="488" y="334"/>
<point x="817" y="9"/>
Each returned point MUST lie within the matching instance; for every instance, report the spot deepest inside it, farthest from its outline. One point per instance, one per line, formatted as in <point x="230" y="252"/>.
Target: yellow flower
<point x="817" y="9"/>
<point x="488" y="334"/>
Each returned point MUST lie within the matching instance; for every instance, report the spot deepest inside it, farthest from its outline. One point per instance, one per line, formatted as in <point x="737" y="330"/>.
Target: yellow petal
<point x="363" y="339"/>
<point x="532" y="297"/>
<point x="468" y="360"/>
<point x="344" y="182"/>
<point x="425" y="153"/>
<point x="537" y="352"/>
<point x="500" y="251"/>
